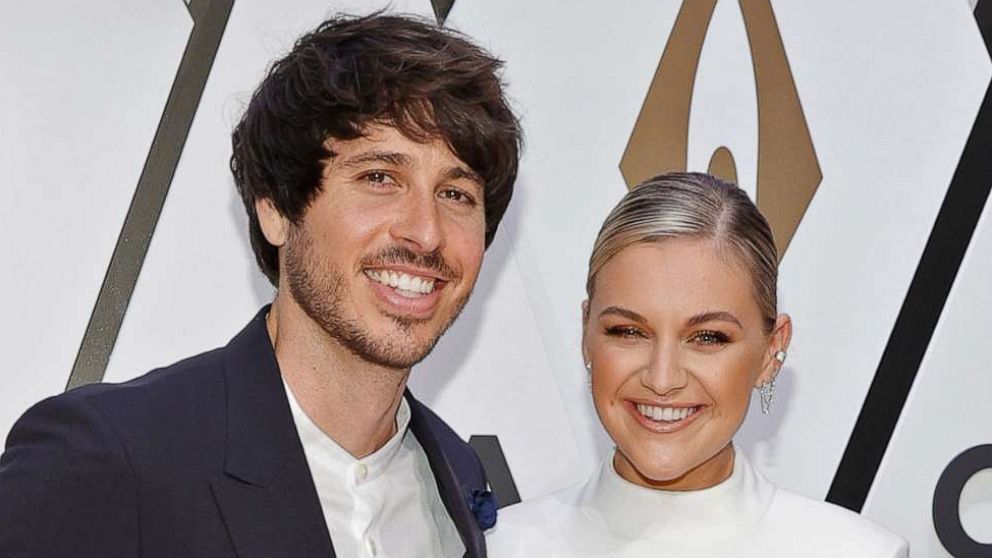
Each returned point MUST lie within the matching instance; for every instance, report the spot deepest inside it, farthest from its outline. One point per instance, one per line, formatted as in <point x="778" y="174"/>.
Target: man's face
<point x="387" y="254"/>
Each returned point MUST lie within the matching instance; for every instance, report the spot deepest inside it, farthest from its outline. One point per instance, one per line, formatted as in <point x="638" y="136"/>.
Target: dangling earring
<point x="767" y="391"/>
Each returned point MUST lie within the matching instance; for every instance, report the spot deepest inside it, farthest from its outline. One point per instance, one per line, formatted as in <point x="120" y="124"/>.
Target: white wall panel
<point x="889" y="91"/>
<point x="947" y="411"/>
<point x="82" y="89"/>
<point x="889" y="114"/>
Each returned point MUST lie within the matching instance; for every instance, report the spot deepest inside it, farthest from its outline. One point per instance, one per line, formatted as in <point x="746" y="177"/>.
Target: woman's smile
<point x="663" y="419"/>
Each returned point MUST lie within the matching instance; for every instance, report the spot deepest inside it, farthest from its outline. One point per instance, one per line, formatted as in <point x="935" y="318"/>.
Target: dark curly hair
<point x="351" y="72"/>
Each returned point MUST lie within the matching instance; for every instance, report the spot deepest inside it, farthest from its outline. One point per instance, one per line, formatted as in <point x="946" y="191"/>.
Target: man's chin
<point x="402" y="324"/>
<point x="395" y="339"/>
<point x="395" y="356"/>
<point x="401" y="345"/>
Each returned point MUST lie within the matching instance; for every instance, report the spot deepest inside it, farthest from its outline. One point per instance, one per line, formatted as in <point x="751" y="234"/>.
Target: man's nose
<point x="665" y="372"/>
<point x="418" y="223"/>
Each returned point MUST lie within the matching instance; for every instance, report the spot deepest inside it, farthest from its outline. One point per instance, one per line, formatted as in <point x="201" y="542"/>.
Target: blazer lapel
<point x="266" y="494"/>
<point x="450" y="489"/>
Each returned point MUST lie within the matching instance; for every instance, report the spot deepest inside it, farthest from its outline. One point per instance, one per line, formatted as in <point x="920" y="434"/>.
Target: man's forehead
<point x="388" y="145"/>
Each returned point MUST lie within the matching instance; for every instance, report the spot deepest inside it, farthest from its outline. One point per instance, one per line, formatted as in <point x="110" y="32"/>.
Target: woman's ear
<point x="274" y="225"/>
<point x="586" y="358"/>
<point x="778" y="349"/>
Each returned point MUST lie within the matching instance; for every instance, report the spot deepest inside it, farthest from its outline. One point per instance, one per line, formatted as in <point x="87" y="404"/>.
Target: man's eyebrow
<point x="387" y="157"/>
<point x="622" y="312"/>
<point x="719" y="316"/>
<point x="454" y="173"/>
<point x="459" y="173"/>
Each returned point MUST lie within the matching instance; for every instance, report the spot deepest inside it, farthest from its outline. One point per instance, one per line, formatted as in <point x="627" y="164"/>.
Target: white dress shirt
<point x="744" y="516"/>
<point x="385" y="505"/>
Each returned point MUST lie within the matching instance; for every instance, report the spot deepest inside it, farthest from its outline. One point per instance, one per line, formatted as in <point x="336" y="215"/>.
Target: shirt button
<point x="361" y="472"/>
<point x="370" y="546"/>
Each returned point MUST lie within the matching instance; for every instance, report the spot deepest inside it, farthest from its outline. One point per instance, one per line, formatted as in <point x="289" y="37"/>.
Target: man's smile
<point x="408" y="292"/>
<point x="405" y="284"/>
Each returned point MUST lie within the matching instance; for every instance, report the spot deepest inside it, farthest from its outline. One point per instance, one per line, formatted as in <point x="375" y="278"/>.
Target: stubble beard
<point x="320" y="290"/>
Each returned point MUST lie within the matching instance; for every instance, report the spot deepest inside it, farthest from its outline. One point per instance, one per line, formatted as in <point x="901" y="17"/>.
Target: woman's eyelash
<point x="708" y="337"/>
<point x="624" y="331"/>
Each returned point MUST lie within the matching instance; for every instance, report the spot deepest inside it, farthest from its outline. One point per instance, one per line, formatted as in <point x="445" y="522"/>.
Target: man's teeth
<point x="667" y="414"/>
<point x="403" y="283"/>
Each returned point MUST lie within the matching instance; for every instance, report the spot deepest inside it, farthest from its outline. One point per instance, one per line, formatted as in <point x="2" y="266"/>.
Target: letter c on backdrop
<point x="946" y="503"/>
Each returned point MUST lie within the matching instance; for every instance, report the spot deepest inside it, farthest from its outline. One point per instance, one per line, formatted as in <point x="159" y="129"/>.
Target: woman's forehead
<point x="677" y="277"/>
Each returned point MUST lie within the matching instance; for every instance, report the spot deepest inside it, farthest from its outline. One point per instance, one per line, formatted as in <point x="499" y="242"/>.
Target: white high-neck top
<point x="384" y="505"/>
<point x="744" y="516"/>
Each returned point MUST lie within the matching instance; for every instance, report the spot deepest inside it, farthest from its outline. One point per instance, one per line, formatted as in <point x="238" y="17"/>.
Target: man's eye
<point x="377" y="177"/>
<point x="457" y="196"/>
<point x="625" y="332"/>
<point x="710" y="338"/>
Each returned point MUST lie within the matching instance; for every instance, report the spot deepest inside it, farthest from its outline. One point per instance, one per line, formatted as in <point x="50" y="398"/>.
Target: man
<point x="375" y="162"/>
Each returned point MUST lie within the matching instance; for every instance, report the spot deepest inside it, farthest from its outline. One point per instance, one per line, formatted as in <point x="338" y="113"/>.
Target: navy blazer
<point x="201" y="458"/>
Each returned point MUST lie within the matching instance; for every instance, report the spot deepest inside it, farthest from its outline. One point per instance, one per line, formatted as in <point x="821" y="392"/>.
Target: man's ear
<point x="274" y="225"/>
<point x="781" y="336"/>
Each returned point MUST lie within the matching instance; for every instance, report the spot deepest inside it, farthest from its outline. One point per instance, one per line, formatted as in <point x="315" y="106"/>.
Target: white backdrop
<point x="889" y="89"/>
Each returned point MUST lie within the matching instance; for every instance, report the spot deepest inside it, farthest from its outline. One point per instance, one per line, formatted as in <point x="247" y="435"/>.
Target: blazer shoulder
<point x="99" y="407"/>
<point x="66" y="482"/>
<point x="171" y="391"/>
<point x="138" y="423"/>
<point x="181" y="376"/>
<point x="834" y="525"/>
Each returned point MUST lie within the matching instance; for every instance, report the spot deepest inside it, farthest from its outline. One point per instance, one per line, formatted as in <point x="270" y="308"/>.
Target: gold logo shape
<point x="788" y="170"/>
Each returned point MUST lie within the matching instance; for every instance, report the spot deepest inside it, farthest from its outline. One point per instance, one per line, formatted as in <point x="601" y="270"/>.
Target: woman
<point x="679" y="325"/>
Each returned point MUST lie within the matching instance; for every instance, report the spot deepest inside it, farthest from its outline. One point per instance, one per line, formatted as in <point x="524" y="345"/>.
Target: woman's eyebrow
<point x="717" y="316"/>
<point x="622" y="312"/>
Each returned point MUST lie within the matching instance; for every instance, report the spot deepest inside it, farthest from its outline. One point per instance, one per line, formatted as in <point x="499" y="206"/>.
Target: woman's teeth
<point x="667" y="414"/>
<point x="409" y="286"/>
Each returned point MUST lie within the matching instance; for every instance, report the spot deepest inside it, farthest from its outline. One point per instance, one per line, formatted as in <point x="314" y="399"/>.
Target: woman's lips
<point x="664" y="419"/>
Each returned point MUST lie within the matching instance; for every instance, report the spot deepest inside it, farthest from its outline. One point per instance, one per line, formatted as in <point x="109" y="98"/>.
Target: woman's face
<point x="676" y="343"/>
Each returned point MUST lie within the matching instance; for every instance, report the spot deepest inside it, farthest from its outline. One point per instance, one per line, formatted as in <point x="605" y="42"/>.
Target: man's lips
<point x="411" y="270"/>
<point x="405" y="291"/>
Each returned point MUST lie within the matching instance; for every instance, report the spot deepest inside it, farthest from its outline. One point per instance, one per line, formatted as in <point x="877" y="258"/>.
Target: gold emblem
<point x="788" y="170"/>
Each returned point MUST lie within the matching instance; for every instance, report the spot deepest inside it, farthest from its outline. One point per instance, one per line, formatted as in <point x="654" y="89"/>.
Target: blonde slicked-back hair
<point x="694" y="206"/>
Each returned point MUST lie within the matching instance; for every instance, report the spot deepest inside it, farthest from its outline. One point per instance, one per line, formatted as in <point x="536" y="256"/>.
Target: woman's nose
<point x="665" y="373"/>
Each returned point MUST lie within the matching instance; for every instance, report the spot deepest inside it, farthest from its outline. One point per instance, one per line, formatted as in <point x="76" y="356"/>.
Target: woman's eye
<point x="625" y="332"/>
<point x="457" y="196"/>
<point x="710" y="338"/>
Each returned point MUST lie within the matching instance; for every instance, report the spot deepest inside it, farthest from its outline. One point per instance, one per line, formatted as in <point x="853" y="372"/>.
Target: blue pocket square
<point x="483" y="506"/>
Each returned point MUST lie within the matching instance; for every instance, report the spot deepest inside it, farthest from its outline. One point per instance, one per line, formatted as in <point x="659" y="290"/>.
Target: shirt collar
<point x="630" y="511"/>
<point x="332" y="455"/>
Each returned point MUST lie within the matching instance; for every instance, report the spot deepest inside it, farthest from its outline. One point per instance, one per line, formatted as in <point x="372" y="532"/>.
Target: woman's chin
<point x="657" y="472"/>
<point x="649" y="471"/>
